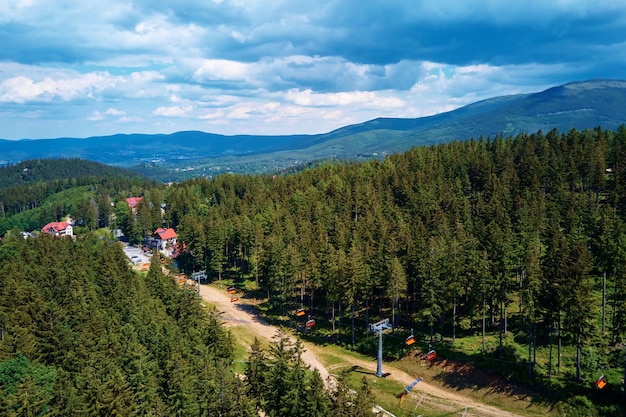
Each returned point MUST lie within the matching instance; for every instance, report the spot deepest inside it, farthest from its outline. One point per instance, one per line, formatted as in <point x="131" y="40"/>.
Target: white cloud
<point x="23" y="89"/>
<point x="221" y="69"/>
<point x="143" y="77"/>
<point x="115" y="112"/>
<point x="97" y="115"/>
<point x="212" y="115"/>
<point x="366" y="98"/>
<point x="173" y="111"/>
<point x="126" y="119"/>
<point x="240" y="113"/>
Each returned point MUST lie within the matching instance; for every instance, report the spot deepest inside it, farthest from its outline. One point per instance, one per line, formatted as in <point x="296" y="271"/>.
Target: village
<point x="162" y="239"/>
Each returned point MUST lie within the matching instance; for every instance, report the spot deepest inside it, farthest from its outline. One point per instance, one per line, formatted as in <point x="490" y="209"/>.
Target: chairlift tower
<point x="378" y="329"/>
<point x="197" y="276"/>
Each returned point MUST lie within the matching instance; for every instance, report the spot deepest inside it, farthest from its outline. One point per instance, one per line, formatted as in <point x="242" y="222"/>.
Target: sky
<point x="73" y="68"/>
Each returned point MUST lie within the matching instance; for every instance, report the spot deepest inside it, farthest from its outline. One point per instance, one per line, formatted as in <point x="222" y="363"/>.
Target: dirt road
<point x="240" y="314"/>
<point x="236" y="314"/>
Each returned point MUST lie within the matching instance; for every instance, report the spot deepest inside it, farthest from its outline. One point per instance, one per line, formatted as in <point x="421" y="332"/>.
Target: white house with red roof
<point x="165" y="237"/>
<point x="58" y="229"/>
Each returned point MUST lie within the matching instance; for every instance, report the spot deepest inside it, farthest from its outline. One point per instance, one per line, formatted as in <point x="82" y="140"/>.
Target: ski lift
<point x="234" y="299"/>
<point x="310" y="323"/>
<point x="410" y="340"/>
<point x="601" y="382"/>
<point x="232" y="290"/>
<point x="431" y="355"/>
<point x="301" y="312"/>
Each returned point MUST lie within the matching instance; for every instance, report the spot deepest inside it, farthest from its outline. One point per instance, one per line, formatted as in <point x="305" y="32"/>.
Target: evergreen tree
<point x="256" y="373"/>
<point x="347" y="402"/>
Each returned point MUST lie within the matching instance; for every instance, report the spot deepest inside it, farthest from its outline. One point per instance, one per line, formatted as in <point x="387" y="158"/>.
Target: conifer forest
<point x="518" y="242"/>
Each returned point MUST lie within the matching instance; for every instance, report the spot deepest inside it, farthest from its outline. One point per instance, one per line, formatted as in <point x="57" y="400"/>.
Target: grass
<point x="546" y="398"/>
<point x="384" y="390"/>
<point x="243" y="341"/>
<point x="338" y="359"/>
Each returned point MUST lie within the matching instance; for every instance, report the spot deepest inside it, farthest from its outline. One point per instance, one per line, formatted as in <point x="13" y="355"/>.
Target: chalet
<point x="164" y="237"/>
<point x="58" y="229"/>
<point x="132" y="203"/>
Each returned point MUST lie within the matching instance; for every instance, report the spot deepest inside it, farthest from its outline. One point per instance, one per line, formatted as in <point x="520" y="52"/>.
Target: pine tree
<point x="316" y="402"/>
<point x="256" y="371"/>
<point x="276" y="384"/>
<point x="349" y="403"/>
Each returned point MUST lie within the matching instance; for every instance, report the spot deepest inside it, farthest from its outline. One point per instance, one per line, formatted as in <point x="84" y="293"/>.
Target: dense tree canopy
<point x="440" y="238"/>
<point x="81" y="334"/>
<point x="524" y="234"/>
<point x="84" y="335"/>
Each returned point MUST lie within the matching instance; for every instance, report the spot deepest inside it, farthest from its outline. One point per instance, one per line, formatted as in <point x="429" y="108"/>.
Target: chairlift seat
<point x="410" y="340"/>
<point x="310" y="323"/>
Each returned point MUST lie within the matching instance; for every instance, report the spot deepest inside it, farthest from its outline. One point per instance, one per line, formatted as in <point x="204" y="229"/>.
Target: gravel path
<point x="240" y="314"/>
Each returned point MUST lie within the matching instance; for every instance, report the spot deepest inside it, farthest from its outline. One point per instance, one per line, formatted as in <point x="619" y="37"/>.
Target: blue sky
<point x="90" y="68"/>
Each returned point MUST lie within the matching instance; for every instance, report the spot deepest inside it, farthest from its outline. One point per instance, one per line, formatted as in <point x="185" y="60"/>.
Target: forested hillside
<point x="44" y="170"/>
<point x="83" y="335"/>
<point x="516" y="243"/>
<point x="514" y="235"/>
<point x="35" y="192"/>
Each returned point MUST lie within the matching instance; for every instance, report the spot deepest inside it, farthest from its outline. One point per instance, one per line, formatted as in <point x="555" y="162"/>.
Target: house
<point x="132" y="203"/>
<point x="58" y="229"/>
<point x="164" y="237"/>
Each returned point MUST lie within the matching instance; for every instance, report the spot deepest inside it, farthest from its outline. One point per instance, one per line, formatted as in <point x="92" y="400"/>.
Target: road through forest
<point x="237" y="314"/>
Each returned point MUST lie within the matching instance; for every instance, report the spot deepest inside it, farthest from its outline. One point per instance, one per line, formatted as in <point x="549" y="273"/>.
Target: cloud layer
<point x="285" y="66"/>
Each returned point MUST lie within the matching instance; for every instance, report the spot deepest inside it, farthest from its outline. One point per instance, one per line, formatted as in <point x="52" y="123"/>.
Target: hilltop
<point x="42" y="170"/>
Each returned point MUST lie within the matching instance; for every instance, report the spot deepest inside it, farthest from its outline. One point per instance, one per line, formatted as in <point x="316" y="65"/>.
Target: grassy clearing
<point x="243" y="340"/>
<point x="485" y="376"/>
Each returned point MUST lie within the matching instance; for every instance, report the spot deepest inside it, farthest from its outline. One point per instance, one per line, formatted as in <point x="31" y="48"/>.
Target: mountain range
<point x="180" y="155"/>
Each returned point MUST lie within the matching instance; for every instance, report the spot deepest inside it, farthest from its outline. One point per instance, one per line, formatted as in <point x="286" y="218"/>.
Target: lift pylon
<point x="378" y="329"/>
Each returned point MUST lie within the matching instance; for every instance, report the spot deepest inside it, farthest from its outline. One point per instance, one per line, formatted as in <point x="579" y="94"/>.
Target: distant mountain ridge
<point x="578" y="105"/>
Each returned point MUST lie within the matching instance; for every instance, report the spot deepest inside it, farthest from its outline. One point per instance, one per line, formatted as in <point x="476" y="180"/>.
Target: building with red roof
<point x="132" y="202"/>
<point x="58" y="229"/>
<point x="165" y="237"/>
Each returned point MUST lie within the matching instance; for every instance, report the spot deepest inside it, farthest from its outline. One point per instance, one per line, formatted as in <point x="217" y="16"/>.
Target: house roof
<point x="165" y="234"/>
<point x="133" y="201"/>
<point x="55" y="227"/>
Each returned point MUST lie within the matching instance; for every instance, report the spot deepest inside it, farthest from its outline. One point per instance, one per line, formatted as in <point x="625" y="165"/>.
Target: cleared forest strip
<point x="238" y="314"/>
